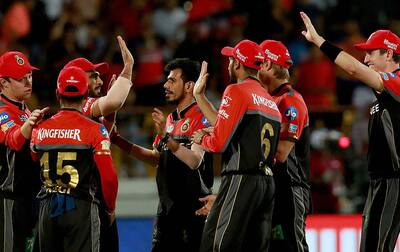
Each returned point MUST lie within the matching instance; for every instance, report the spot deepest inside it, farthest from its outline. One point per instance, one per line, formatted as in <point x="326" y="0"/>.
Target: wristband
<point x="164" y="140"/>
<point x="330" y="50"/>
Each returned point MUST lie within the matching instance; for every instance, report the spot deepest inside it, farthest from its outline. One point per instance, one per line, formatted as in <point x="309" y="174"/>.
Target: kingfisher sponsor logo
<point x="60" y="133"/>
<point x="260" y="100"/>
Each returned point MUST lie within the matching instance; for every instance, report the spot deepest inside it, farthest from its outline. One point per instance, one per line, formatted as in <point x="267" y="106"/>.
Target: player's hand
<point x="197" y="136"/>
<point x="126" y="54"/>
<point x="37" y="115"/>
<point x="310" y="33"/>
<point x="159" y="121"/>
<point x="200" y="85"/>
<point x="208" y="203"/>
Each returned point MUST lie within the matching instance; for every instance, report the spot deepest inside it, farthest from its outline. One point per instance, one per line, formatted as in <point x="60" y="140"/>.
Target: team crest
<point x="20" y="61"/>
<point x="185" y="125"/>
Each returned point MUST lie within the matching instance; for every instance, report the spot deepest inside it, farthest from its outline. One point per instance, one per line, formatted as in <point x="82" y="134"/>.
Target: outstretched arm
<point x="199" y="94"/>
<point x="117" y="94"/>
<point x="344" y="60"/>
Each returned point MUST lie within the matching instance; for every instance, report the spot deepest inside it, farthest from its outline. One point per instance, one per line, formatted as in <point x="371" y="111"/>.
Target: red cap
<point x="72" y="81"/>
<point x="15" y="65"/>
<point x="276" y="52"/>
<point x="87" y="66"/>
<point x="246" y="52"/>
<point x="381" y="39"/>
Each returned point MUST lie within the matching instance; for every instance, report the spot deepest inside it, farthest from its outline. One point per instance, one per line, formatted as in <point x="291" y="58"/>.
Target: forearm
<point x="191" y="158"/>
<point x="207" y="108"/>
<point x="146" y="155"/>
<point x="116" y="96"/>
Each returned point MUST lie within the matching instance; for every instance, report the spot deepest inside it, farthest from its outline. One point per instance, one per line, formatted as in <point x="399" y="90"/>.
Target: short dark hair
<point x="190" y="68"/>
<point x="73" y="99"/>
<point x="396" y="57"/>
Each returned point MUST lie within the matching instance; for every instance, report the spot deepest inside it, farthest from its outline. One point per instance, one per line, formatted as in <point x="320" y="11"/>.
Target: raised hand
<point x="159" y="121"/>
<point x="200" y="85"/>
<point x="37" y="115"/>
<point x="310" y="33"/>
<point x="126" y="54"/>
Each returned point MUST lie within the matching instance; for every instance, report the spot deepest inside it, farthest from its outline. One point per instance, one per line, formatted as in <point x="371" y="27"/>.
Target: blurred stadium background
<point x="55" y="31"/>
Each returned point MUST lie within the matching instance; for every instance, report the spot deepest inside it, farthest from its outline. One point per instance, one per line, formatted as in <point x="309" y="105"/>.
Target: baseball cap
<point x="276" y="52"/>
<point x="87" y="66"/>
<point x="15" y="65"/>
<point x="246" y="52"/>
<point x="381" y="39"/>
<point x="72" y="81"/>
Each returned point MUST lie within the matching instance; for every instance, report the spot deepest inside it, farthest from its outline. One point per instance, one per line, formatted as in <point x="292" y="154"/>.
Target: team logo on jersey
<point x="104" y="131"/>
<point x="170" y="128"/>
<point x="185" y="125"/>
<point x="20" y="61"/>
<point x="291" y="113"/>
<point x="292" y="128"/>
<point x="4" y="117"/>
<point x="23" y="117"/>
<point x="205" y="122"/>
<point x="7" y="125"/>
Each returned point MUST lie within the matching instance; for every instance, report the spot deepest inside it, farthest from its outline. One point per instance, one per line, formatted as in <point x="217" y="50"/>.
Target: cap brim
<point x="227" y="51"/>
<point x="364" y="47"/>
<point x="102" y="68"/>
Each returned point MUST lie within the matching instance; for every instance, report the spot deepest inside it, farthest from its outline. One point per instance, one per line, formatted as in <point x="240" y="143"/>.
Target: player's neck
<point x="275" y="84"/>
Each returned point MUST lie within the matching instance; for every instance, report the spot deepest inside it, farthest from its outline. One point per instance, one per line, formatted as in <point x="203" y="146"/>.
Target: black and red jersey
<point x="384" y="129"/>
<point x="247" y="128"/>
<point x="295" y="127"/>
<point x="74" y="153"/>
<point x="19" y="174"/>
<point x="177" y="183"/>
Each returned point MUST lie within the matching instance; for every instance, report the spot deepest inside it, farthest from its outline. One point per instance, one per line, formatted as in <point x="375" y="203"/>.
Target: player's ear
<point x="189" y="86"/>
<point x="236" y="64"/>
<point x="389" y="54"/>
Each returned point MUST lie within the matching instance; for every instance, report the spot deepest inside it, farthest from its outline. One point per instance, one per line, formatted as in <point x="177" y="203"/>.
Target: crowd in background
<point x="52" y="32"/>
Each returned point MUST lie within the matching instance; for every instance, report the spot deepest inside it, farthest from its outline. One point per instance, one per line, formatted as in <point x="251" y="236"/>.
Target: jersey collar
<point x="19" y="105"/>
<point x="179" y="115"/>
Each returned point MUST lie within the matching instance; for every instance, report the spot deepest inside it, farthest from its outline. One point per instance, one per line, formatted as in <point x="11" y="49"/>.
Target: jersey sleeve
<point x="12" y="136"/>
<point x="294" y="118"/>
<point x="391" y="83"/>
<point x="105" y="166"/>
<point x="87" y="108"/>
<point x="229" y="116"/>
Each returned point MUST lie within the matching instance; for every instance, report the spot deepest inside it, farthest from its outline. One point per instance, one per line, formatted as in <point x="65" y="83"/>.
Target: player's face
<point x="231" y="70"/>
<point x="95" y="83"/>
<point x="18" y="90"/>
<point x="174" y="87"/>
<point x="375" y="60"/>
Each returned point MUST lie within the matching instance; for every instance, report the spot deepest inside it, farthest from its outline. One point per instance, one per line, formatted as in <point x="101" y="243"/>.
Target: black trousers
<point x="18" y="219"/>
<point x="179" y="230"/>
<point x="240" y="219"/>
<point x="75" y="230"/>
<point x="108" y="234"/>
<point x="292" y="205"/>
<point x="381" y="216"/>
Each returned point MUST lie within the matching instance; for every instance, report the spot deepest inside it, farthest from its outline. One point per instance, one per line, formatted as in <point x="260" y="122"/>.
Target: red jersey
<point x="74" y="154"/>
<point x="87" y="107"/>
<point x="19" y="175"/>
<point x="177" y="183"/>
<point x="384" y="130"/>
<point x="295" y="128"/>
<point x="247" y="128"/>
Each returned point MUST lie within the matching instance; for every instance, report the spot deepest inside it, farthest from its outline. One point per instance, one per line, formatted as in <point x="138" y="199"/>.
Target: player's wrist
<point x="330" y="50"/>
